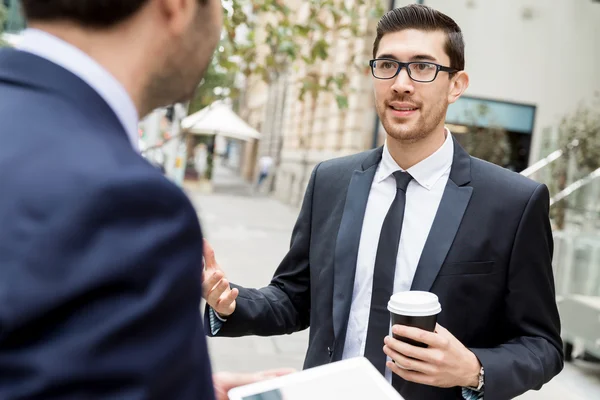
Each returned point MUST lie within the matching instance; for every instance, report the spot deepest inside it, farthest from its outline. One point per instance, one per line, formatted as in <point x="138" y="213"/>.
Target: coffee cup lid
<point x="414" y="304"/>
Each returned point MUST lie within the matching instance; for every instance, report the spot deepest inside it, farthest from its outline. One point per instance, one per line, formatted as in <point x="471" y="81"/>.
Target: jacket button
<point x="329" y="351"/>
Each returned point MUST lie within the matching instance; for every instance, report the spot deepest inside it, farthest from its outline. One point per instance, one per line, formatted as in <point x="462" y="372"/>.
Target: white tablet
<point x="352" y="379"/>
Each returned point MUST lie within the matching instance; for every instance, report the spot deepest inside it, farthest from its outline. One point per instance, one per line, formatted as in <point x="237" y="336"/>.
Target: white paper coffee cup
<point x="414" y="308"/>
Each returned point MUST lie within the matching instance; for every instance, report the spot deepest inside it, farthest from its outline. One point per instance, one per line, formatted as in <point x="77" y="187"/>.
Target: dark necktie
<point x="383" y="276"/>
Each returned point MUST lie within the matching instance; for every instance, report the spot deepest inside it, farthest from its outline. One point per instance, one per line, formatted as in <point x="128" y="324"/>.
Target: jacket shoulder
<point x="501" y="180"/>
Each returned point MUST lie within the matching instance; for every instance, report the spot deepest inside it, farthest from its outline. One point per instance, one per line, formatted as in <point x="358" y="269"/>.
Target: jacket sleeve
<point x="283" y="306"/>
<point x="534" y="354"/>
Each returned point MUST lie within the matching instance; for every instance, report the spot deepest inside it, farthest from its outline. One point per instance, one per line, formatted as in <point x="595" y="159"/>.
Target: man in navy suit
<point x="100" y="255"/>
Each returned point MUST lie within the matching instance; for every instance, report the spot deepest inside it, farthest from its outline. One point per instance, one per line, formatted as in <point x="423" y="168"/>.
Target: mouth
<point x="402" y="110"/>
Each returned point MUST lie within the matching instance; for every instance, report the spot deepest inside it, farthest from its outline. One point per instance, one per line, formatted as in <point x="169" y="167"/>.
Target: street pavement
<point x="250" y="234"/>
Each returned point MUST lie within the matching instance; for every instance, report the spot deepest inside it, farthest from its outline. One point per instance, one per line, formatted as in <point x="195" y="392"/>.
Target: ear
<point x="177" y="15"/>
<point x="458" y="85"/>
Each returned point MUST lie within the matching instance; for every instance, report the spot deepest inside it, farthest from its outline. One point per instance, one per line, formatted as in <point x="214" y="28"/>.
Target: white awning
<point x="219" y="119"/>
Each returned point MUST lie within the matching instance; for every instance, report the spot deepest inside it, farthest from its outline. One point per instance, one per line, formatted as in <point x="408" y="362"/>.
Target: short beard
<point x="422" y="129"/>
<point x="170" y="86"/>
<point x="177" y="80"/>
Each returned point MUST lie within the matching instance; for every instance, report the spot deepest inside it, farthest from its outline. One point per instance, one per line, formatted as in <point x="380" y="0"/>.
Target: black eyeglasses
<point x="418" y="71"/>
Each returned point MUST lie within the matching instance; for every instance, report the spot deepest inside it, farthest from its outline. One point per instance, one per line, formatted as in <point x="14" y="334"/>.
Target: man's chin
<point x="405" y="134"/>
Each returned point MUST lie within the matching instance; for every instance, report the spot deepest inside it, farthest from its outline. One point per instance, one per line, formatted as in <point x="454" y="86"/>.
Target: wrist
<point x="218" y="315"/>
<point x="473" y="372"/>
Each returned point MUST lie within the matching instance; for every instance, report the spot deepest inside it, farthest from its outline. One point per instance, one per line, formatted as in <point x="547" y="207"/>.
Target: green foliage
<point x="582" y="127"/>
<point x="218" y="84"/>
<point x="3" y="17"/>
<point x="249" y="25"/>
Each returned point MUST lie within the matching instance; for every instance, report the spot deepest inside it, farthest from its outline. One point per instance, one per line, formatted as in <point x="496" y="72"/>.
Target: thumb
<point x="209" y="256"/>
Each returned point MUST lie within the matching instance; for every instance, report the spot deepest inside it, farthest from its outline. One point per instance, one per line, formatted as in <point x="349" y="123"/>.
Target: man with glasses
<point x="416" y="214"/>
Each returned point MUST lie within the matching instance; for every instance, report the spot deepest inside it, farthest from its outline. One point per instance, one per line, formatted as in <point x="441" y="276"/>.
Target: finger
<point x="429" y="338"/>
<point x="274" y="373"/>
<point x="410" y="376"/>
<point x="408" y="363"/>
<point x="408" y="350"/>
<point x="440" y="330"/>
<point x="227" y="298"/>
<point x="210" y="262"/>
<point x="241" y="378"/>
<point x="210" y="280"/>
<point x="211" y="277"/>
<point x="219" y="289"/>
<point x="213" y="296"/>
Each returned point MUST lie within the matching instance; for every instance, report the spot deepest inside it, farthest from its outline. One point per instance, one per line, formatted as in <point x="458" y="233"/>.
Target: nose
<point x="403" y="83"/>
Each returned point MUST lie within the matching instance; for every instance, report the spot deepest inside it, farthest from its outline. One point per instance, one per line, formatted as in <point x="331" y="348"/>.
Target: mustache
<point x="401" y="99"/>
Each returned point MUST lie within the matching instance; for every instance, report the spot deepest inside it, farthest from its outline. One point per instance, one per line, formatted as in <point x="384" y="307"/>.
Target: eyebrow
<point x="418" y="57"/>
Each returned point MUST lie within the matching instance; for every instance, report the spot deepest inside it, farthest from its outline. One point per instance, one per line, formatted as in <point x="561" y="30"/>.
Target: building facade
<point x="299" y="134"/>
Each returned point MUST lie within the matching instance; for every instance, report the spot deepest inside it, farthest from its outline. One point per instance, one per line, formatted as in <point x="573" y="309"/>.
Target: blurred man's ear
<point x="177" y="14"/>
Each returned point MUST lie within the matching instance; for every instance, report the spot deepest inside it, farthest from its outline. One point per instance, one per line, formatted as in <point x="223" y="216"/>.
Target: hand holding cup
<point x="421" y="350"/>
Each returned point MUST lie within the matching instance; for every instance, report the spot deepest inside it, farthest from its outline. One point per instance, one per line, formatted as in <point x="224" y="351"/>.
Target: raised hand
<point x="215" y="287"/>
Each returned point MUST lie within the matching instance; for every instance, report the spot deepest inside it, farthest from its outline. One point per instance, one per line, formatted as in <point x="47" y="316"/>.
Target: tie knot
<point x="402" y="180"/>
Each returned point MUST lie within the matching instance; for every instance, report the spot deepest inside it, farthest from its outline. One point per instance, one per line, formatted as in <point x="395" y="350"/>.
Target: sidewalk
<point x="227" y="181"/>
<point x="250" y="235"/>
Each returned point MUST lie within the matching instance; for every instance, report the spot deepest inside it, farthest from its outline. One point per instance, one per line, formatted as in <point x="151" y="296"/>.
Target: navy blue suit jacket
<point x="100" y="255"/>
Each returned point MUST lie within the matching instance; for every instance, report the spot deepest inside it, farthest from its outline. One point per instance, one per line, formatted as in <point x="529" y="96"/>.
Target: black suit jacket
<point x="100" y="255"/>
<point x="487" y="257"/>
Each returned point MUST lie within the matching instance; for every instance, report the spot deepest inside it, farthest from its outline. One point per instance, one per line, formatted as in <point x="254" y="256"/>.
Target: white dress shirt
<point x="87" y="69"/>
<point x="423" y="197"/>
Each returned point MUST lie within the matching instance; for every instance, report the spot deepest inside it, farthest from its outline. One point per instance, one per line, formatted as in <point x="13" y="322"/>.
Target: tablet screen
<point x="270" y="395"/>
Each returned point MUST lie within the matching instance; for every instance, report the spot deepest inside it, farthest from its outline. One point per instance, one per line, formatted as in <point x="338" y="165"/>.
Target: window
<point x="497" y="131"/>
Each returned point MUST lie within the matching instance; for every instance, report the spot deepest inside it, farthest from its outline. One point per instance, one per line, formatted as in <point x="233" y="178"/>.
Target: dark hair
<point x="92" y="13"/>
<point x="417" y="16"/>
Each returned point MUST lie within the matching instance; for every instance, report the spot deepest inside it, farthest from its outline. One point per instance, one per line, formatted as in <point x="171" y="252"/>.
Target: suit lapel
<point x="449" y="215"/>
<point x="348" y="239"/>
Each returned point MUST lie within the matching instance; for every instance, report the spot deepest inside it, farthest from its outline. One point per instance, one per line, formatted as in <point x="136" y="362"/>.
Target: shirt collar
<point x="77" y="62"/>
<point x="427" y="172"/>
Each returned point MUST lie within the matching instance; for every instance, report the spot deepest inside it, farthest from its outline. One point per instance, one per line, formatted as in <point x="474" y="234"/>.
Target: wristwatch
<point x="479" y="387"/>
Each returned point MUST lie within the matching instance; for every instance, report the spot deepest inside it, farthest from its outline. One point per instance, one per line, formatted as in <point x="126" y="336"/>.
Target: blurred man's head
<point x="158" y="49"/>
<point x="412" y="103"/>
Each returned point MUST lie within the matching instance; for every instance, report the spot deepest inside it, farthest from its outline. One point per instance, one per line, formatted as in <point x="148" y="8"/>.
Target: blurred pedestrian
<point x="265" y="164"/>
